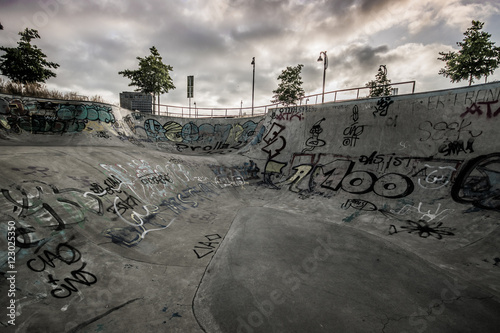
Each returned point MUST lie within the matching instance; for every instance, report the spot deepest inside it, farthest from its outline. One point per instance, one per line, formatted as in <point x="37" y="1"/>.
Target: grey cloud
<point x="343" y="7"/>
<point x="360" y="56"/>
<point x="93" y="40"/>
<point x="184" y="37"/>
<point x="367" y="54"/>
<point x="257" y="32"/>
<point x="371" y="5"/>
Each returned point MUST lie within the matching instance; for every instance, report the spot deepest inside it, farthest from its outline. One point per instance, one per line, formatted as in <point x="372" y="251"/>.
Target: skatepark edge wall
<point x="98" y="200"/>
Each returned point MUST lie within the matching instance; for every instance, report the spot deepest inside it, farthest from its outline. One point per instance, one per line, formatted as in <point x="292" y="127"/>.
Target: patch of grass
<point x="41" y="91"/>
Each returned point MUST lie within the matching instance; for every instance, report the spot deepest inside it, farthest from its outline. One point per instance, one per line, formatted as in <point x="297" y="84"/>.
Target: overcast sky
<point x="215" y="41"/>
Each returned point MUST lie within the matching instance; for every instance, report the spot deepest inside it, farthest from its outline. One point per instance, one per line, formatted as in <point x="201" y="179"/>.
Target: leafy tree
<point x="26" y="63"/>
<point x="478" y="56"/>
<point x="290" y="90"/>
<point x="381" y="85"/>
<point x="152" y="77"/>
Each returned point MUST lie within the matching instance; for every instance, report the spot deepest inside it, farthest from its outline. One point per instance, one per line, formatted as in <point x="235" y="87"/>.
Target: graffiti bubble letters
<point x="207" y="246"/>
<point x="389" y="185"/>
<point x="47" y="117"/>
<point x="478" y="182"/>
<point x="155" y="130"/>
<point x="272" y="138"/>
<point x="51" y="118"/>
<point x="272" y="171"/>
<point x="208" y="134"/>
<point x="476" y="109"/>
<point x="342" y="176"/>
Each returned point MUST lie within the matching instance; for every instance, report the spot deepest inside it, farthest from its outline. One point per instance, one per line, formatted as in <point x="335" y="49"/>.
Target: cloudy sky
<point x="215" y="41"/>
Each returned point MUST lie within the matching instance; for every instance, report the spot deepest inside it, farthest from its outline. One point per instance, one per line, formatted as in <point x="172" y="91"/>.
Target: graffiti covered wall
<point x="50" y="117"/>
<point x="385" y="155"/>
<point x="140" y="203"/>
<point x="204" y="136"/>
<point x="35" y="120"/>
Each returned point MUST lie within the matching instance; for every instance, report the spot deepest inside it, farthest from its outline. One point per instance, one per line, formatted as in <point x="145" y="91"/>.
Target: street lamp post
<point x="253" y="82"/>
<point x="325" y="66"/>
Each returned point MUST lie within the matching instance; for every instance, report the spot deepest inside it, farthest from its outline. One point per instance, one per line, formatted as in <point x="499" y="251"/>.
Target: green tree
<point x="152" y="77"/>
<point x="381" y="85"/>
<point x="478" y="56"/>
<point x="26" y="63"/>
<point x="290" y="90"/>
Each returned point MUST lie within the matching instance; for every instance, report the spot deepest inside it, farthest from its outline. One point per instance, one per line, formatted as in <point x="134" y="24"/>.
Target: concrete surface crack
<point x="90" y="321"/>
<point x="388" y="320"/>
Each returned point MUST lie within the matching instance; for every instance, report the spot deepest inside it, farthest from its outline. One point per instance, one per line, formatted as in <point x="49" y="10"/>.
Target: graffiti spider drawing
<point x="425" y="229"/>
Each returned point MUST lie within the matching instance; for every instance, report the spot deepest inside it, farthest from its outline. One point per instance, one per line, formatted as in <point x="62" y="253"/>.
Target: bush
<point x="41" y="91"/>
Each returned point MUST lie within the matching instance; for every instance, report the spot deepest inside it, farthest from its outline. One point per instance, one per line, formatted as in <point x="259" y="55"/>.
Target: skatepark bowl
<point x="370" y="215"/>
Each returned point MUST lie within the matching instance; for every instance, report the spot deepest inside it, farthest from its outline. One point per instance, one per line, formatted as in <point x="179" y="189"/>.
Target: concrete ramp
<point x="373" y="215"/>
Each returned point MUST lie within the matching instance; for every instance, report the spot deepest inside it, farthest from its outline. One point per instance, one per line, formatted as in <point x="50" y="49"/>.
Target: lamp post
<point x="325" y="66"/>
<point x="253" y="81"/>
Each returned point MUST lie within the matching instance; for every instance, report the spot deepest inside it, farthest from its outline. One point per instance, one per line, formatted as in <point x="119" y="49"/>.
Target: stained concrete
<point x="275" y="275"/>
<point x="373" y="215"/>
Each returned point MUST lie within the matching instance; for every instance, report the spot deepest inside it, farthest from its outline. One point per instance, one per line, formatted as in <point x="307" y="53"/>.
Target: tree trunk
<point x="154" y="108"/>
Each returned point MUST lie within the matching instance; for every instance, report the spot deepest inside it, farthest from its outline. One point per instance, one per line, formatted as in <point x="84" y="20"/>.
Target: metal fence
<point x="399" y="88"/>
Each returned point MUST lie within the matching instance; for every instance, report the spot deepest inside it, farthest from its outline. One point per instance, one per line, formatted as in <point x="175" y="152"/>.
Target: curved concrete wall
<point x="110" y="219"/>
<point x="389" y="147"/>
<point x="85" y="123"/>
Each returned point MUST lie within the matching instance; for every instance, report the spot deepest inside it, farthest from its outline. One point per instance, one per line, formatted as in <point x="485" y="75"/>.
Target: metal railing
<point x="197" y="112"/>
<point x="399" y="88"/>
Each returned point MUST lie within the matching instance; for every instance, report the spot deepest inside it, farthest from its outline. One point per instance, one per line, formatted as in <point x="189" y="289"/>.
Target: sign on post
<point x="190" y="86"/>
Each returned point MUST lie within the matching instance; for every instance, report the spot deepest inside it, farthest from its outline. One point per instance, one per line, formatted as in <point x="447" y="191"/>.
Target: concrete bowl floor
<point x="371" y="215"/>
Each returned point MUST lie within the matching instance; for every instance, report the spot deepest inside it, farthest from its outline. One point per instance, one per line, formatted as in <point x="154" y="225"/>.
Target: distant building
<point x="136" y="101"/>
